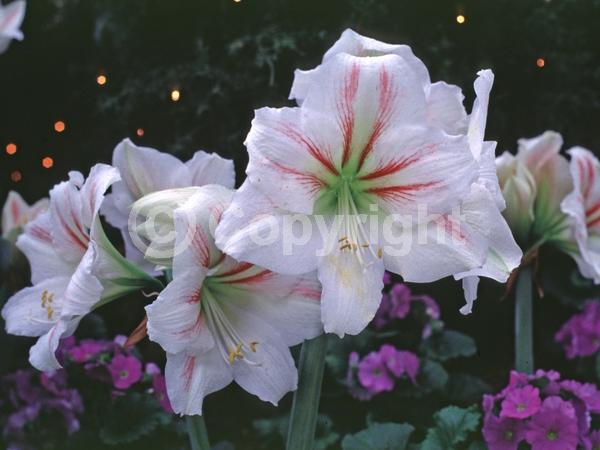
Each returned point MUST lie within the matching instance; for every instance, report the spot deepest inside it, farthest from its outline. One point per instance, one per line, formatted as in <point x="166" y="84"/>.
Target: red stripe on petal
<point x="387" y="97"/>
<point x="40" y="233"/>
<point x="345" y="107"/>
<point x="400" y="192"/>
<point x="188" y="371"/>
<point x="451" y="227"/>
<point x="314" y="183"/>
<point x="396" y="165"/>
<point x="14" y="210"/>
<point x="323" y="156"/>
<point x="200" y="247"/>
<point x="592" y="210"/>
<point x="240" y="267"/>
<point x="256" y="278"/>
<point x="594" y="222"/>
<point x="194" y="328"/>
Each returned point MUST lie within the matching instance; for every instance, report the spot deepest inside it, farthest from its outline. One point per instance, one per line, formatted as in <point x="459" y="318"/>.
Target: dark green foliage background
<point x="229" y="58"/>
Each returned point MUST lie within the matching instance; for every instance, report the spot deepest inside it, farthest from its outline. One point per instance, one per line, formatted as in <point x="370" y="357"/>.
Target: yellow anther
<point x="253" y="345"/>
<point x="379" y="253"/>
<point x="343" y="239"/>
<point x="365" y="245"/>
<point x="50" y="312"/>
<point x="231" y="356"/>
<point x="346" y="246"/>
<point x="354" y="247"/>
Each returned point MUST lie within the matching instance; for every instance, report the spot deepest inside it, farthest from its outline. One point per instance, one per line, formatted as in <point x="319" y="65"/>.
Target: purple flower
<point x="355" y="389"/>
<point x="373" y="374"/>
<point x="400" y="298"/>
<point x="502" y="433"/>
<point x="54" y="382"/>
<point x="381" y="318"/>
<point x="521" y="403"/>
<point x="554" y="427"/>
<point x="125" y="371"/>
<point x="580" y="335"/>
<point x="160" y="391"/>
<point x="88" y="349"/>
<point x="400" y="362"/>
<point x="586" y="392"/>
<point x="592" y="442"/>
<point x="120" y="340"/>
<point x="387" y="278"/>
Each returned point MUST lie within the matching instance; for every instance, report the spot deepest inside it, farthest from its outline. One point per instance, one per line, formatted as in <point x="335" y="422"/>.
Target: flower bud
<point x="151" y="224"/>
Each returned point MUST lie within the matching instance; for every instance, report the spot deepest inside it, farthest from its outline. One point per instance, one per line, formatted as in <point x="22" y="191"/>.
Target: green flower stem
<point x="524" y="321"/>
<point x="197" y="432"/>
<point x="305" y="409"/>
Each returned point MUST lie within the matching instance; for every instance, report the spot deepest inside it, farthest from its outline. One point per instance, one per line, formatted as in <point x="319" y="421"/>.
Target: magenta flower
<point x="400" y="363"/>
<point x="125" y="371"/>
<point x="354" y="387"/>
<point x="592" y="442"/>
<point x="586" y="392"/>
<point x="554" y="427"/>
<point x="580" y="335"/>
<point x="374" y="375"/>
<point x="401" y="298"/>
<point x="160" y="391"/>
<point x="502" y="433"/>
<point x="88" y="349"/>
<point x="521" y="403"/>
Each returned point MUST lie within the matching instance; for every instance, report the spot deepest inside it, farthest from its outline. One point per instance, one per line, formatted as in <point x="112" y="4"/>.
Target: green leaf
<point x="432" y="377"/>
<point x="448" y="345"/>
<point x="452" y="427"/>
<point x="131" y="417"/>
<point x="466" y="388"/>
<point x="379" y="436"/>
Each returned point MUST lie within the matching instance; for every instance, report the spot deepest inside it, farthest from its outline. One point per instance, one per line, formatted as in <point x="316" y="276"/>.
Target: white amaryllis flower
<point x="221" y="320"/>
<point x="534" y="182"/>
<point x="74" y="268"/>
<point x="146" y="170"/>
<point x="373" y="140"/>
<point x="582" y="206"/>
<point x="11" y="18"/>
<point x="16" y="213"/>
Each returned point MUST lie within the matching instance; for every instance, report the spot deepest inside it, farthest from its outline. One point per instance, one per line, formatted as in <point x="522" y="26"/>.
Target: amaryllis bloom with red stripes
<point x="374" y="162"/>
<point x="16" y="213"/>
<point x="221" y="320"/>
<point x="73" y="266"/>
<point x="582" y="206"/>
<point x="145" y="170"/>
<point x="11" y="18"/>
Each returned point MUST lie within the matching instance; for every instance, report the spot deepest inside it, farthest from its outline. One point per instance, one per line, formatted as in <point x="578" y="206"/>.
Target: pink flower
<point x="521" y="403"/>
<point x="554" y="427"/>
<point x="592" y="442"/>
<point x="125" y="371"/>
<point x="580" y="335"/>
<point x="87" y="349"/>
<point x="400" y="363"/>
<point x="374" y="375"/>
<point x="160" y="391"/>
<point x="503" y="433"/>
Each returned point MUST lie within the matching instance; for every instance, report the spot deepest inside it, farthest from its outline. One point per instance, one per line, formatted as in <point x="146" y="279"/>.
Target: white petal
<point x="291" y="304"/>
<point x="252" y="229"/>
<point x="42" y="355"/>
<point x="268" y="371"/>
<point x="174" y="318"/>
<point x="414" y="167"/>
<point x="487" y="173"/>
<point x="11" y="18"/>
<point x="195" y="224"/>
<point x="478" y="117"/>
<point x="13" y="212"/>
<point x="84" y="289"/>
<point x="210" y="168"/>
<point x="27" y="314"/>
<point x="351" y="289"/>
<point x="446" y="244"/>
<point x="143" y="171"/>
<point x="470" y="289"/>
<point x="275" y="375"/>
<point x="445" y="108"/>
<point x="36" y="243"/>
<point x="101" y="177"/>
<point x="583" y="208"/>
<point x="191" y="378"/>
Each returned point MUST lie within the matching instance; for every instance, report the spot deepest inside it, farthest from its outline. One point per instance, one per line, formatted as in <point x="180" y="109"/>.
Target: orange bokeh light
<point x="460" y="19"/>
<point x="175" y="95"/>
<point x="540" y="62"/>
<point x="47" y="162"/>
<point x="101" y="80"/>
<point x="11" y="148"/>
<point x="59" y="126"/>
<point x="16" y="176"/>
